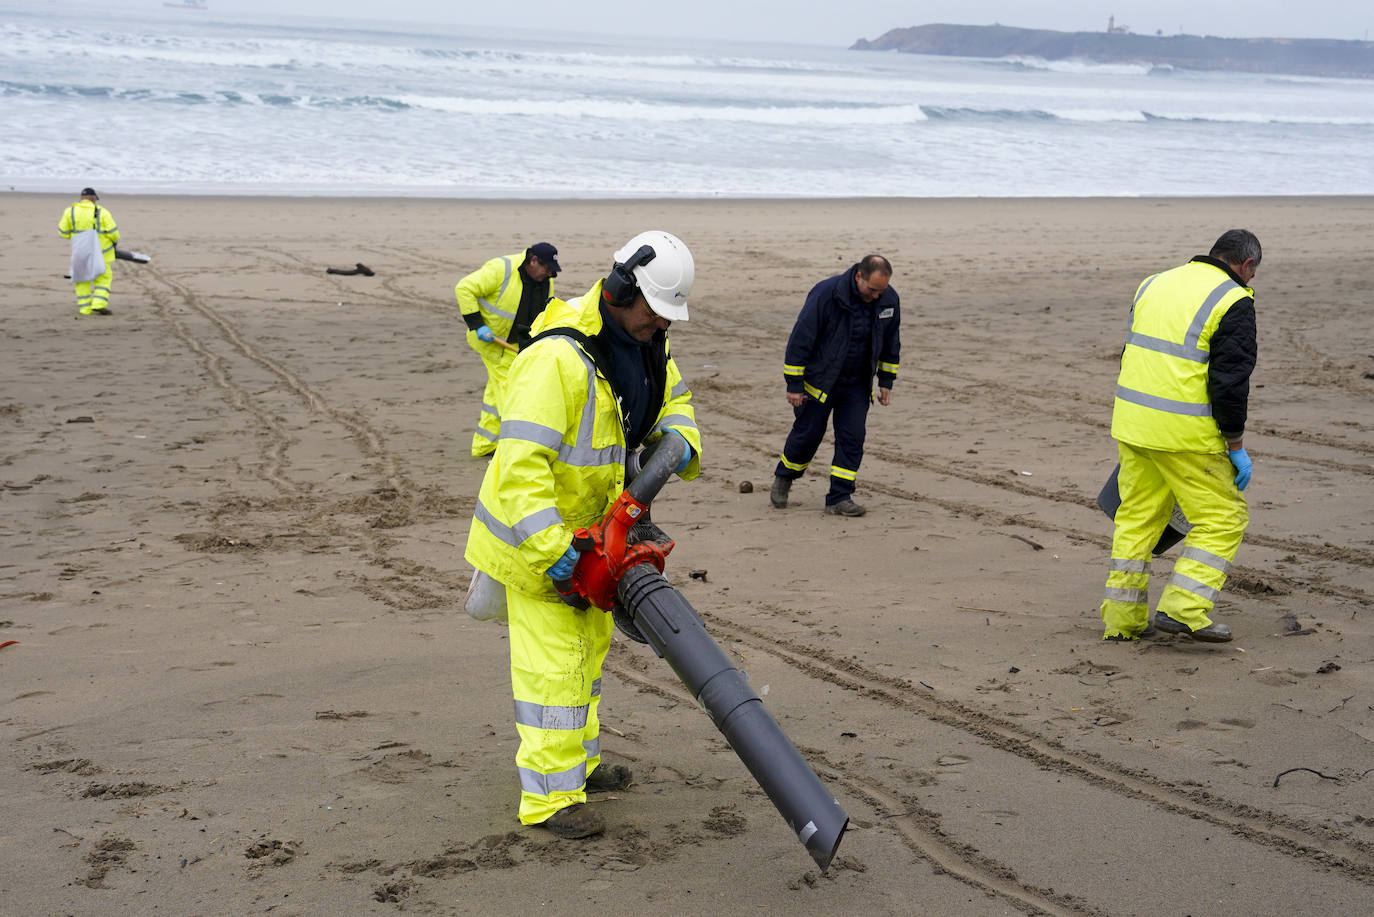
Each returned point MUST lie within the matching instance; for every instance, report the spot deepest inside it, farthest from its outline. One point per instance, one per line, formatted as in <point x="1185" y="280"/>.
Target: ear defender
<point x="619" y="287"/>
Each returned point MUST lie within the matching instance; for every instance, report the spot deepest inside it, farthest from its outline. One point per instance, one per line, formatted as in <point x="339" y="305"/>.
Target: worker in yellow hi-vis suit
<point x="596" y="381"/>
<point x="1179" y="421"/>
<point x="92" y="296"/>
<point x="500" y="301"/>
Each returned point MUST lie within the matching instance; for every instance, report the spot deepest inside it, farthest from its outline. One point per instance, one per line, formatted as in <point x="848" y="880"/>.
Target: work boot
<point x="608" y="778"/>
<point x="104" y="311"/>
<point x="1212" y="633"/>
<point x="577" y="820"/>
<point x="781" y="487"/>
<point x="845" y="507"/>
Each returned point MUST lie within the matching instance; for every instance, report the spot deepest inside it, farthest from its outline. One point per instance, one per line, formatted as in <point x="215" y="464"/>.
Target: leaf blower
<point x="621" y="570"/>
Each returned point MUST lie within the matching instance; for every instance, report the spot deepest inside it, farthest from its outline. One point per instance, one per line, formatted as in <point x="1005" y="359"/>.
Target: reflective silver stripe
<point x="505" y="282"/>
<point x="677" y="420"/>
<point x="1215" y="561"/>
<point x="1130" y="566"/>
<point x="568" y="781"/>
<point x="679" y="389"/>
<point x="1167" y="405"/>
<point x="532" y="432"/>
<point x="515" y="535"/>
<point x="1159" y="345"/>
<point x="1205" y="311"/>
<point x="1189" y="349"/>
<point x="484" y="434"/>
<point x="582" y="454"/>
<point x="805" y="833"/>
<point x="550" y="717"/>
<point x="596" y="688"/>
<point x="1201" y="590"/>
<point x="577" y="455"/>
<point x="1134" y="596"/>
<point x="592" y="747"/>
<point x="1141" y="291"/>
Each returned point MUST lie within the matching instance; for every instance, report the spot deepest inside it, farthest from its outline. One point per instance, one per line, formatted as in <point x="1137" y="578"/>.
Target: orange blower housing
<point x="606" y="553"/>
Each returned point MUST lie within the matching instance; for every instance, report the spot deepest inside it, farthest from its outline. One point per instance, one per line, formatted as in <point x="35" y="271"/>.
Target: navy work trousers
<point x="849" y="405"/>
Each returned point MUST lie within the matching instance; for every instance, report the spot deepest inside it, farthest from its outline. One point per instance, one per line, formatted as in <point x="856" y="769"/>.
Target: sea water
<point x="166" y="100"/>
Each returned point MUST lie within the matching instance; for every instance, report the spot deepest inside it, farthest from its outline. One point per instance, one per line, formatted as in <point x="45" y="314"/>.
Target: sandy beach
<point x="233" y="517"/>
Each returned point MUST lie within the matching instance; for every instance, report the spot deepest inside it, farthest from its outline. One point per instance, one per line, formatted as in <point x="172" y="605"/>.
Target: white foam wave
<point x="643" y="112"/>
<point x="1078" y="66"/>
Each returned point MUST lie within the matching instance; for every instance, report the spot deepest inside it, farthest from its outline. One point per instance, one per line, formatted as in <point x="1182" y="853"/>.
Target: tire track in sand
<point x="273" y="449"/>
<point x="407" y="586"/>
<point x="1316" y="845"/>
<point x="369" y="442"/>
<point x="917" y="829"/>
<point x="1246" y="579"/>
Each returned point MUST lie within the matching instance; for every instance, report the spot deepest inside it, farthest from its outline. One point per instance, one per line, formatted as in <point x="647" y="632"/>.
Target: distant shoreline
<point x="1321" y="57"/>
<point x="114" y="191"/>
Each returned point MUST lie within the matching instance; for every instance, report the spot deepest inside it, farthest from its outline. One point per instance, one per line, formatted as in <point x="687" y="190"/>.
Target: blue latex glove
<point x="562" y="571"/>
<point x="1241" y="460"/>
<point x="687" y="456"/>
<point x="484" y="334"/>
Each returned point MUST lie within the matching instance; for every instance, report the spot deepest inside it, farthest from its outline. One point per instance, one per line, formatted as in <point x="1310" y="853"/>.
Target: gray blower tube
<point x="676" y="632"/>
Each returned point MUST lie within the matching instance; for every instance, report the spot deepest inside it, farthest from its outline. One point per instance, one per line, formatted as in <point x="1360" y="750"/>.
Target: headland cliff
<point x="1305" y="56"/>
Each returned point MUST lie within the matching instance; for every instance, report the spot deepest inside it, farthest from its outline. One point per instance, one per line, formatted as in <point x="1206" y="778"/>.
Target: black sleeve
<point x="1234" y="350"/>
<point x="474" y="320"/>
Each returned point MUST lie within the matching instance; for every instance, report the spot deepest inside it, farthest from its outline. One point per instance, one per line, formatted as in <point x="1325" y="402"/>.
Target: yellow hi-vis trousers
<point x="1150" y="482"/>
<point x="556" y="653"/>
<point x="94" y="294"/>
<point x="498" y="360"/>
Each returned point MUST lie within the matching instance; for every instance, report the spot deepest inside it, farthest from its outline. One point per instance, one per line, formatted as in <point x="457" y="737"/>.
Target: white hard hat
<point x="666" y="280"/>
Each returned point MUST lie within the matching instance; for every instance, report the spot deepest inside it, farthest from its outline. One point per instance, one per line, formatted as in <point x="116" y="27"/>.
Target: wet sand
<point x="233" y="516"/>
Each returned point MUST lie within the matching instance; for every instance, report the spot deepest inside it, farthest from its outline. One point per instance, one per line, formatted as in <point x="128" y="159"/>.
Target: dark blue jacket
<point x="816" y="348"/>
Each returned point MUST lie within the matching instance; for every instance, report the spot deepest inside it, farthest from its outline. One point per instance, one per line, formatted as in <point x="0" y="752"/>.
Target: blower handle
<point x="656" y="467"/>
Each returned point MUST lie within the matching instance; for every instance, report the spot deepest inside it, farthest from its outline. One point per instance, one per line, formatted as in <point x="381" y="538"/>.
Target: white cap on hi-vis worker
<point x="666" y="278"/>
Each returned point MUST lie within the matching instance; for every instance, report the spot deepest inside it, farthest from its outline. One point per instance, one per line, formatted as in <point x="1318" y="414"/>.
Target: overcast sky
<point x="840" y="22"/>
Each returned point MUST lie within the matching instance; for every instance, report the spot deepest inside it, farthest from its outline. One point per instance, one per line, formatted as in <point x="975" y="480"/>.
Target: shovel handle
<point x="506" y="344"/>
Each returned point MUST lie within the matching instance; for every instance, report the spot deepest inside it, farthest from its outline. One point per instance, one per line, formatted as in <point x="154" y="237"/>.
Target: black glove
<point x="566" y="593"/>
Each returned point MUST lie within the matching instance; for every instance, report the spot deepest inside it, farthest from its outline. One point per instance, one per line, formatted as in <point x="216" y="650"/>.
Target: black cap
<point x="547" y="255"/>
<point x="89" y="192"/>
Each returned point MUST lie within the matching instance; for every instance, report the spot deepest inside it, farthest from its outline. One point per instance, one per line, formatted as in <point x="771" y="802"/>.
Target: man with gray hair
<point x="1179" y="422"/>
<point x="847" y="335"/>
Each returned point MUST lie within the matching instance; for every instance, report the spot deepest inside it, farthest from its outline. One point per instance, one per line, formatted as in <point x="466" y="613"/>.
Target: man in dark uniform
<point x="847" y="333"/>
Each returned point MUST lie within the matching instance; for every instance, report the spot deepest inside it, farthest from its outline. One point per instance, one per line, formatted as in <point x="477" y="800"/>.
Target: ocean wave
<point x="663" y="109"/>
<point x="646" y="112"/>
<point x="225" y="97"/>
<point x="304" y="53"/>
<point x="1074" y="66"/>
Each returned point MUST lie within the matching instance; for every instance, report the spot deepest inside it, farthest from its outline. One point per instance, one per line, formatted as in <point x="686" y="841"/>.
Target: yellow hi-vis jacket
<point x="1161" y="393"/>
<point x="494" y="290"/>
<point x="80" y="217"/>
<point x="560" y="461"/>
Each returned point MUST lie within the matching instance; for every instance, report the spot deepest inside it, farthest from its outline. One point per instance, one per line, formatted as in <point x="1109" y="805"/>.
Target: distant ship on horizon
<point x="188" y="5"/>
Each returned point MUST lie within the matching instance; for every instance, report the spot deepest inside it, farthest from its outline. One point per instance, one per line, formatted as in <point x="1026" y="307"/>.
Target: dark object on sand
<point x="1110" y="499"/>
<point x="358" y="268"/>
<point x="1309" y="770"/>
<point x="123" y="254"/>
<point x="746" y="487"/>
